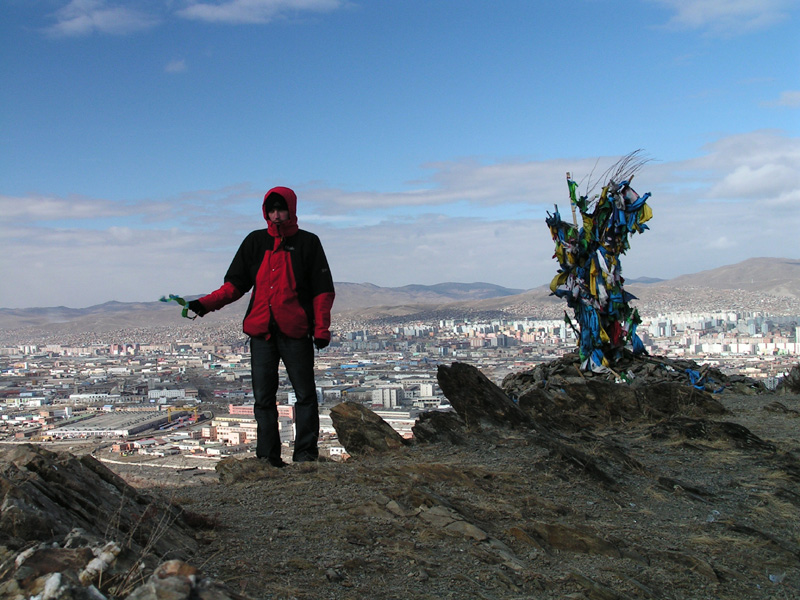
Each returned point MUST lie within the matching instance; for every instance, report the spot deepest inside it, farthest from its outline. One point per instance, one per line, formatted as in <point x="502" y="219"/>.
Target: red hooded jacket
<point x="288" y="272"/>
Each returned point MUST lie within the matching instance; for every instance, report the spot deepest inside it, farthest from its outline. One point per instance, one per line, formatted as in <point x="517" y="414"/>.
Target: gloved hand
<point x="321" y="343"/>
<point x="197" y="308"/>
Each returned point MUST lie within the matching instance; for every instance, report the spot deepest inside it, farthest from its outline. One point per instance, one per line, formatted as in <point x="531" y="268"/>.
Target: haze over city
<point x="426" y="140"/>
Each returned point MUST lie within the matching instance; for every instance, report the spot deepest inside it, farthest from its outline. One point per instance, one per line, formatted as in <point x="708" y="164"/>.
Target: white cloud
<point x="727" y="17"/>
<point x="740" y="198"/>
<point x="788" y="99"/>
<point x="46" y="208"/>
<point x="429" y="251"/>
<point x="758" y="166"/>
<point x="252" y="11"/>
<point x="720" y="243"/>
<point x="175" y="66"/>
<point x="472" y="182"/>
<point x="84" y="17"/>
<point x="757" y="181"/>
<point x="79" y="267"/>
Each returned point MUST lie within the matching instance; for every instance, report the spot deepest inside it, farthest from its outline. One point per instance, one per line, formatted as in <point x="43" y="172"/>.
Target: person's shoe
<point x="275" y="462"/>
<point x="305" y="458"/>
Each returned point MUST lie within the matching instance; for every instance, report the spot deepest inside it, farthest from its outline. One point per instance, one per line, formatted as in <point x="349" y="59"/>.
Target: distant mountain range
<point x="350" y="296"/>
<point x="774" y="276"/>
<point x="747" y="281"/>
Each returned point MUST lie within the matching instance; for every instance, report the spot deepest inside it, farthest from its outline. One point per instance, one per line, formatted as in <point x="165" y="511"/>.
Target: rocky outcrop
<point x="48" y="494"/>
<point x="556" y="407"/>
<point x="564" y="486"/>
<point x="641" y="371"/>
<point x="560" y="396"/>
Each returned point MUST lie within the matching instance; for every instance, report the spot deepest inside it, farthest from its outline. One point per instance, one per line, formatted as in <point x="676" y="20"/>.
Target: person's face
<point x="278" y="216"/>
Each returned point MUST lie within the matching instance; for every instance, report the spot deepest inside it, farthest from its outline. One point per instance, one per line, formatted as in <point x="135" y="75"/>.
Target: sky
<point x="426" y="139"/>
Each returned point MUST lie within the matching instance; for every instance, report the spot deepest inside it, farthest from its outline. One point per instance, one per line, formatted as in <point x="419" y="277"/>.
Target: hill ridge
<point x="745" y="283"/>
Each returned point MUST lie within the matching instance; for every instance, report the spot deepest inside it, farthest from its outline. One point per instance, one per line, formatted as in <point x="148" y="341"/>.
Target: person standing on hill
<point x="289" y="314"/>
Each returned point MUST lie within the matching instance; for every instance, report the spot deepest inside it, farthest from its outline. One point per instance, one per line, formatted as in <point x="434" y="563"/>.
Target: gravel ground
<point x="707" y="516"/>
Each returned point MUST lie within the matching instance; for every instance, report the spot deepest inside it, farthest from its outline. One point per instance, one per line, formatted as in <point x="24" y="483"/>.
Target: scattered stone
<point x="562" y="537"/>
<point x="50" y="571"/>
<point x="467" y="529"/>
<point x="334" y="576"/>
<point x="712" y="431"/>
<point x="779" y="407"/>
<point x="177" y="580"/>
<point x="85" y="532"/>
<point x="234" y="470"/>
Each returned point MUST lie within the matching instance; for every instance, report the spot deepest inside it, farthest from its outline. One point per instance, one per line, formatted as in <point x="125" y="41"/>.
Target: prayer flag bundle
<point x="179" y="300"/>
<point x="590" y="274"/>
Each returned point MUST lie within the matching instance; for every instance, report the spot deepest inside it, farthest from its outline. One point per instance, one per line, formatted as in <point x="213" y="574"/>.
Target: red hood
<point x="288" y="227"/>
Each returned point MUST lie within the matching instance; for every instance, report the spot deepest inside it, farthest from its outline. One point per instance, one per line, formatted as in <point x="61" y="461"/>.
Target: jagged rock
<point x="478" y="401"/>
<point x="437" y="426"/>
<point x="47" y="494"/>
<point x="577" y="404"/>
<point x="362" y="432"/>
<point x="792" y="381"/>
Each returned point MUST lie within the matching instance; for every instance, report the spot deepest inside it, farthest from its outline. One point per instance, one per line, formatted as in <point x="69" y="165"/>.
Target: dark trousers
<point x="298" y="358"/>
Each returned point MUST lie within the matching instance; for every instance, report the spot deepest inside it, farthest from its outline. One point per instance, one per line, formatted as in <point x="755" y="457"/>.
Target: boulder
<point x="436" y="426"/>
<point x="362" y="432"/>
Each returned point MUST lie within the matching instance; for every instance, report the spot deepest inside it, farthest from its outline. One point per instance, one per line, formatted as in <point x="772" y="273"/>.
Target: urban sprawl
<point x="185" y="396"/>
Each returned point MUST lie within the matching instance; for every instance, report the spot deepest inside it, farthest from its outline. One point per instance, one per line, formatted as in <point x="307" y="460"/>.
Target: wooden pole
<point x="574" y="217"/>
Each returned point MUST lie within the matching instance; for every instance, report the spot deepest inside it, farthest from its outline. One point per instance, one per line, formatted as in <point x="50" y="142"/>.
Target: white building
<point x="166" y="394"/>
<point x="95" y="398"/>
<point x="388" y="396"/>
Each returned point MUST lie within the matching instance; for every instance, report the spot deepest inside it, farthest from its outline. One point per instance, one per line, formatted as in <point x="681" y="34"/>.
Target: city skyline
<point x="426" y="142"/>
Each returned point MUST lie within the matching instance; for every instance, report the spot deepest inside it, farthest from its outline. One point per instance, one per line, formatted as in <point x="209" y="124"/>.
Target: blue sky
<point x="426" y="140"/>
